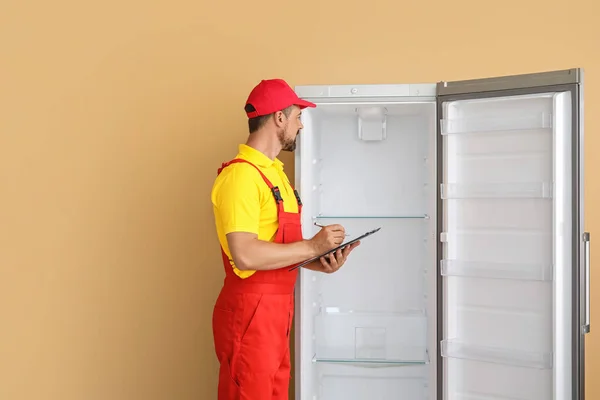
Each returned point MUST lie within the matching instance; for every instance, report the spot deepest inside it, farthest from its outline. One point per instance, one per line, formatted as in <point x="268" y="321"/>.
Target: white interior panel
<point x="387" y="338"/>
<point x="385" y="273"/>
<point x="388" y="176"/>
<point x="368" y="330"/>
<point x="499" y="261"/>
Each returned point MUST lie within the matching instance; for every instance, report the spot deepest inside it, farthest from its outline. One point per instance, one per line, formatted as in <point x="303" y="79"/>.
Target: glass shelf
<point x="540" y="120"/>
<point x="334" y="311"/>
<point x="456" y="349"/>
<point x="410" y="356"/>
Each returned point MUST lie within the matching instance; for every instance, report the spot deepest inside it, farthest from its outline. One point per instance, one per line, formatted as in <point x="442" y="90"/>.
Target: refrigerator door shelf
<point x="494" y="115"/>
<point x="506" y="190"/>
<point x="496" y="124"/>
<point x="497" y="245"/>
<point x="453" y="348"/>
<point x="497" y="270"/>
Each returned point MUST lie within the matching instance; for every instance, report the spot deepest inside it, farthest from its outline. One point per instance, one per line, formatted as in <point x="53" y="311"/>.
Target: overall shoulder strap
<point x="274" y="189"/>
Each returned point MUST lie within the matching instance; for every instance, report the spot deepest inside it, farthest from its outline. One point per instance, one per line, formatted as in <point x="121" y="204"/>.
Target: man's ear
<point x="279" y="117"/>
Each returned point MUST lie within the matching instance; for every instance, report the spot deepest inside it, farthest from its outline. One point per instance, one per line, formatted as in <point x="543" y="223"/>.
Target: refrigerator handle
<point x="586" y="254"/>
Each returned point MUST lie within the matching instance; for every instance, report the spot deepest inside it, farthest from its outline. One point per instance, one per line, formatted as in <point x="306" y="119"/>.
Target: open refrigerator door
<point x="510" y="233"/>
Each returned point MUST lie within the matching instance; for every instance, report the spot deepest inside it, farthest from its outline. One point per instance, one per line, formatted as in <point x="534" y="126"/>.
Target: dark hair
<point x="256" y="123"/>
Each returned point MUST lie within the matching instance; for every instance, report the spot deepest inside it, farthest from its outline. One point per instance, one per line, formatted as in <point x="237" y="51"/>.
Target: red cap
<point x="272" y="95"/>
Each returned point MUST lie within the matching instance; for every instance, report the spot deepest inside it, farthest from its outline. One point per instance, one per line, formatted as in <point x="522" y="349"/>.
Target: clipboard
<point x="341" y="246"/>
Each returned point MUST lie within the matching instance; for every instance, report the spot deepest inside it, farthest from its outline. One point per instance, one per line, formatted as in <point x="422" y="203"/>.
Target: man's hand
<point x="329" y="237"/>
<point x="334" y="261"/>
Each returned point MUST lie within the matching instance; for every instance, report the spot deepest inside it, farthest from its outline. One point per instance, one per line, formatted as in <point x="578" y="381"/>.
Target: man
<point x="258" y="221"/>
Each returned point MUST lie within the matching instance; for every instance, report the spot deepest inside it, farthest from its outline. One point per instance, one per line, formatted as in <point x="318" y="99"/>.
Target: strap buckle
<point x="297" y="197"/>
<point x="276" y="194"/>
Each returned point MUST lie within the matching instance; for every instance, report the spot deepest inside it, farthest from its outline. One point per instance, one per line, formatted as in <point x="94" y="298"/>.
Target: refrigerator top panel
<point x="511" y="82"/>
<point x="425" y="90"/>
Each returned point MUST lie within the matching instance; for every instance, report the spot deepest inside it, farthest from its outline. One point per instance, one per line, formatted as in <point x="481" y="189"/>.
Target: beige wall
<point x="113" y="120"/>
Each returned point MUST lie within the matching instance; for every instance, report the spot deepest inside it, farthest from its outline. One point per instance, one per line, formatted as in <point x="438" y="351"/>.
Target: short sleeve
<point x="236" y="198"/>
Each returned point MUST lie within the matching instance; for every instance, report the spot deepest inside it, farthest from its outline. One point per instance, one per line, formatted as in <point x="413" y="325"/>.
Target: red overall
<point x="252" y="319"/>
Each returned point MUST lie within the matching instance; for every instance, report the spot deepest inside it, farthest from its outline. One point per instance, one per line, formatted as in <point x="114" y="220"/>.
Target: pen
<point x="323" y="226"/>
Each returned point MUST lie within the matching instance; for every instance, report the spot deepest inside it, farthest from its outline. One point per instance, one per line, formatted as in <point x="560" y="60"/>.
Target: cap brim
<point x="303" y="104"/>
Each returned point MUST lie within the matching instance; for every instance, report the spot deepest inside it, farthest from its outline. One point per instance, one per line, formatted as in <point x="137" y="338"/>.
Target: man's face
<point x="290" y="129"/>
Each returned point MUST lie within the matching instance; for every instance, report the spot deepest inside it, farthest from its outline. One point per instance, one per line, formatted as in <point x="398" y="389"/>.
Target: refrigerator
<point x="477" y="285"/>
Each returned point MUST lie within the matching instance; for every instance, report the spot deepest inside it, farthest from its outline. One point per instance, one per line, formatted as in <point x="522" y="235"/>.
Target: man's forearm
<point x="256" y="254"/>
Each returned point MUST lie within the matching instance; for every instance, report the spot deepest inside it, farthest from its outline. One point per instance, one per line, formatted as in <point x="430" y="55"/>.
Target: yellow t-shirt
<point x="242" y="201"/>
